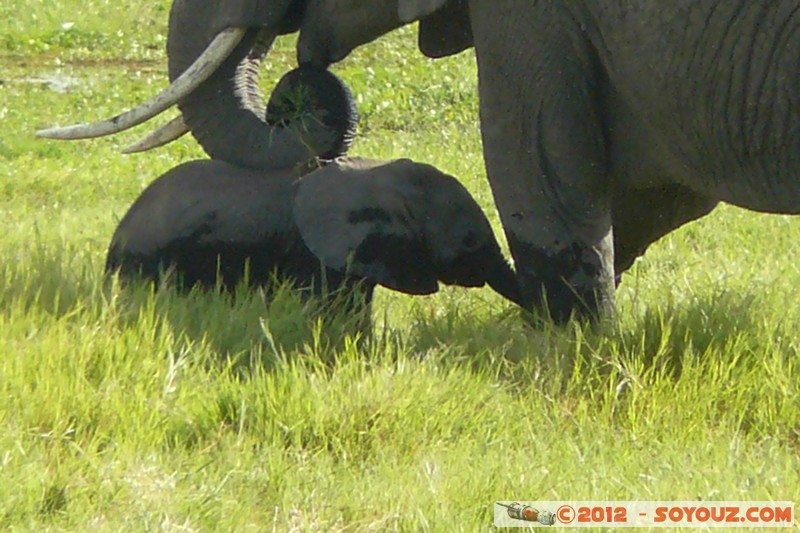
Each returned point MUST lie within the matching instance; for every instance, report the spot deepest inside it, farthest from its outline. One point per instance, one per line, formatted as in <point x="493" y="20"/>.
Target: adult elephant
<point x="605" y="125"/>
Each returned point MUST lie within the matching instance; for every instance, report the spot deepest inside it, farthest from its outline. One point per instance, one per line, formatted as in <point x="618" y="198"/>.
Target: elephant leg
<point x="340" y="292"/>
<point x="349" y="298"/>
<point x="642" y="216"/>
<point x="545" y="153"/>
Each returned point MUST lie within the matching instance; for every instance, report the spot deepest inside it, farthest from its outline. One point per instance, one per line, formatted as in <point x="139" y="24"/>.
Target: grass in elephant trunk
<point x="292" y="106"/>
<point x="134" y="410"/>
<point x="307" y="94"/>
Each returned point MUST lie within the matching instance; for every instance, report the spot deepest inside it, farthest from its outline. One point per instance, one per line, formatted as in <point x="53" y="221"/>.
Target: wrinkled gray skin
<point x="404" y="225"/>
<point x="631" y="116"/>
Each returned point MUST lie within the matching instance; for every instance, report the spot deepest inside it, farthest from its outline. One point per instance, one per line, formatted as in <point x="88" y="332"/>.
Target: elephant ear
<point x="411" y="10"/>
<point x="446" y="31"/>
<point x="360" y="217"/>
<point x="444" y="27"/>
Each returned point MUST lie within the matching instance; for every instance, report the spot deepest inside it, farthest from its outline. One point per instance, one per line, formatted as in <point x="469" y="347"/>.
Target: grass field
<point x="128" y="410"/>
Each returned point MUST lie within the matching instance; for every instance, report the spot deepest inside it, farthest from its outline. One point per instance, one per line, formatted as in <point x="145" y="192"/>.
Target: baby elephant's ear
<point x="359" y="216"/>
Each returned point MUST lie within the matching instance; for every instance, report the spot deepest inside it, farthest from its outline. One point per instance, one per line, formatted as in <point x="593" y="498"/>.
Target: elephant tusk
<point x="167" y="133"/>
<point x="203" y="67"/>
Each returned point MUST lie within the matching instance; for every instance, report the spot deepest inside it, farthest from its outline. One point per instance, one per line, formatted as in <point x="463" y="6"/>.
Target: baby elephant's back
<point x="198" y="211"/>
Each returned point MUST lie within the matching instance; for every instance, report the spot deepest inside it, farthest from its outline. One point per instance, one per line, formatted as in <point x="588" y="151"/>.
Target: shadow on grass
<point x="726" y="327"/>
<point x="252" y="327"/>
<point x="248" y="327"/>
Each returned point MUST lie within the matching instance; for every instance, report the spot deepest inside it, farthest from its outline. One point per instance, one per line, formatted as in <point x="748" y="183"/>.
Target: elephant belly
<point x="703" y="94"/>
<point x="255" y="265"/>
<point x="764" y="178"/>
<point x="643" y="156"/>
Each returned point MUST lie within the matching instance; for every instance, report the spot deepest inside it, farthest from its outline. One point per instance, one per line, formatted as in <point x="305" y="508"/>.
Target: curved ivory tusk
<point x="203" y="67"/>
<point x="167" y="133"/>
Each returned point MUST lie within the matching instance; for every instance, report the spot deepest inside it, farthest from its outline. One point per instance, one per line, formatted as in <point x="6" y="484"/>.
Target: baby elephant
<point x="400" y="224"/>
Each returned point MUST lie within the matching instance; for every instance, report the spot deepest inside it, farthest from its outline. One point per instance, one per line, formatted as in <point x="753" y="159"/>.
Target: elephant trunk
<point x="226" y="113"/>
<point x="483" y="265"/>
<point x="502" y="278"/>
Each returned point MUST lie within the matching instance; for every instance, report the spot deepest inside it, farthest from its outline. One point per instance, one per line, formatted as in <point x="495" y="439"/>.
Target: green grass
<point x="128" y="410"/>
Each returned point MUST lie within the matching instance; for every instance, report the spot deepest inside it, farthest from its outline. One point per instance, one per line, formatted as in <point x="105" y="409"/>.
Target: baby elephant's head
<point x="401" y="224"/>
